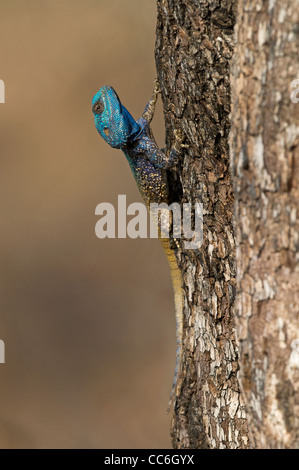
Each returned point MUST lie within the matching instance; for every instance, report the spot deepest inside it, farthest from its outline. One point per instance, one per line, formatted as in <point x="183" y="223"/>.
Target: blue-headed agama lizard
<point x="148" y="164"/>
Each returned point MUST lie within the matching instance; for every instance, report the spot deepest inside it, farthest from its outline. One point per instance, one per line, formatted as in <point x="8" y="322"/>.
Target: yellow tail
<point x="178" y="302"/>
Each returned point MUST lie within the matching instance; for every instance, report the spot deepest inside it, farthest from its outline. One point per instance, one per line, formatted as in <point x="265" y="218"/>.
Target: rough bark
<point x="193" y="50"/>
<point x="265" y="164"/>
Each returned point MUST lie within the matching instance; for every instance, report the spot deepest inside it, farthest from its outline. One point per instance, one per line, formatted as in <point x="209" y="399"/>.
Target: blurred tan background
<point x="88" y="324"/>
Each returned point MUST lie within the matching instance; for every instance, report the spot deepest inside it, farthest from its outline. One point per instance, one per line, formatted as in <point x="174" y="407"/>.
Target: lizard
<point x="149" y="166"/>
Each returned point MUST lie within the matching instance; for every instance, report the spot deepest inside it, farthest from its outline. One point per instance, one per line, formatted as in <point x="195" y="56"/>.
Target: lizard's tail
<point x="178" y="301"/>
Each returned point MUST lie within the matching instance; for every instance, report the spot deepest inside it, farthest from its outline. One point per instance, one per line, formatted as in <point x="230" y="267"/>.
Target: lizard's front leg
<point x="158" y="157"/>
<point x="149" y="110"/>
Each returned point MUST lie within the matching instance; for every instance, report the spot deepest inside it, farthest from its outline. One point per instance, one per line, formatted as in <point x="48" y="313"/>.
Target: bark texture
<point x="265" y="164"/>
<point x="194" y="46"/>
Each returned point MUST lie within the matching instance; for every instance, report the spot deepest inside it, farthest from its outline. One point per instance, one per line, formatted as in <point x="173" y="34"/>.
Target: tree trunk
<point x="264" y="144"/>
<point x="194" y="46"/>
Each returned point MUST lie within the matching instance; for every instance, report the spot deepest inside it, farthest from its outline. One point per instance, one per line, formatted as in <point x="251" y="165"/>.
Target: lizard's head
<point x="112" y="120"/>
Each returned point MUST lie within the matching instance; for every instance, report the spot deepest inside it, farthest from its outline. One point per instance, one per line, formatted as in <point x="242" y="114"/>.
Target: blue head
<point x="112" y="120"/>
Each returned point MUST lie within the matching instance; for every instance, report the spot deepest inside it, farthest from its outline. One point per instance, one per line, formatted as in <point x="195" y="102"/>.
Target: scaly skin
<point x="148" y="164"/>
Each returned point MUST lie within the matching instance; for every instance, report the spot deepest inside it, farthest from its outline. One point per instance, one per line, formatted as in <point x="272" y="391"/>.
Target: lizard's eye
<point x="98" y="107"/>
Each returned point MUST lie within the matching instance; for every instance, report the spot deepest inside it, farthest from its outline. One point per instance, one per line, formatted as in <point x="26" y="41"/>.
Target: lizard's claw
<point x="179" y="139"/>
<point x="157" y="88"/>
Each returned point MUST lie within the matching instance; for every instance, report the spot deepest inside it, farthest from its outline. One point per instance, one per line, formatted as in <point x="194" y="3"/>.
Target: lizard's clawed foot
<point x="179" y="139"/>
<point x="157" y="88"/>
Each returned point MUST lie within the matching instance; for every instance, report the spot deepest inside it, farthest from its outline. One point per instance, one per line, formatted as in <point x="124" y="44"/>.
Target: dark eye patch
<point x="98" y="107"/>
